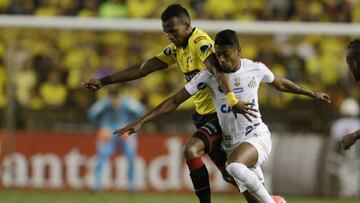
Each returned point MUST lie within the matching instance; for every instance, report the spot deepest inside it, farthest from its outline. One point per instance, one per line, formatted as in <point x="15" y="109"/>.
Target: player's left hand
<point x="128" y="130"/>
<point x="322" y="96"/>
<point x="347" y="141"/>
<point x="244" y="109"/>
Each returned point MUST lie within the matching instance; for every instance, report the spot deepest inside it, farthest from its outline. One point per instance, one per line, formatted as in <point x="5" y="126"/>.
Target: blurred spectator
<point x="46" y="8"/>
<point x="25" y="82"/>
<point x="90" y="9"/>
<point x="20" y="7"/>
<point x="244" y="10"/>
<point x="147" y="8"/>
<point x="225" y="10"/>
<point x="198" y="6"/>
<point x="280" y="10"/>
<point x="111" y="113"/>
<point x="68" y="7"/>
<point x="3" y="80"/>
<point x="339" y="11"/>
<point x="113" y="9"/>
<point x="53" y="92"/>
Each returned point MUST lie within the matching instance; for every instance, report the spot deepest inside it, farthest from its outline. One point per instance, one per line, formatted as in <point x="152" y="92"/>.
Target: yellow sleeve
<point x="202" y="47"/>
<point x="167" y="55"/>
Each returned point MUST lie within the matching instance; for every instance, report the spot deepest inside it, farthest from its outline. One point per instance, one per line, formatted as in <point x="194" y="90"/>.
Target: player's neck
<point x="238" y="66"/>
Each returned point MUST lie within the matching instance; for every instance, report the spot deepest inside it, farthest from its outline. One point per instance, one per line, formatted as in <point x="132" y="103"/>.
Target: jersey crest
<point x="252" y="83"/>
<point x="167" y="51"/>
<point x="237" y="82"/>
<point x="206" y="47"/>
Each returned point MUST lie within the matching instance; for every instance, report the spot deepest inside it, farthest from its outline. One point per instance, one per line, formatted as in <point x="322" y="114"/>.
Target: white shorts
<point x="261" y="140"/>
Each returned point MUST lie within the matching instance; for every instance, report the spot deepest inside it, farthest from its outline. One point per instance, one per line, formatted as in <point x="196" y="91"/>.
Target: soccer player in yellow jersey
<point x="193" y="50"/>
<point x="353" y="61"/>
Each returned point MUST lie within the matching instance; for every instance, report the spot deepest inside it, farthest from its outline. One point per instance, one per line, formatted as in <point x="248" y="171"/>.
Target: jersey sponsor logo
<point x="252" y="83"/>
<point x="238" y="90"/>
<point x="225" y="108"/>
<point x="198" y="39"/>
<point x="206" y="47"/>
<point x="252" y="104"/>
<point x="189" y="75"/>
<point x="201" y="86"/>
<point x="167" y="51"/>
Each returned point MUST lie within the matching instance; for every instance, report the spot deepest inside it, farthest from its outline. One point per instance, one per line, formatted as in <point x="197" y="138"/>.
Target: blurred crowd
<point x="48" y="66"/>
<point x="244" y="10"/>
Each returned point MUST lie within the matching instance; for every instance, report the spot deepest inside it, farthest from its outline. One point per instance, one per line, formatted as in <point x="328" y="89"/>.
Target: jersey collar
<point x="187" y="40"/>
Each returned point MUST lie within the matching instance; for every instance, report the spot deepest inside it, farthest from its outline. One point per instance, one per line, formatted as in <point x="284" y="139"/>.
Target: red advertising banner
<point x="67" y="160"/>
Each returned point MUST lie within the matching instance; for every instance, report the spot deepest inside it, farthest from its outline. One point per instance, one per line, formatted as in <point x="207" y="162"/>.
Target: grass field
<point x="8" y="196"/>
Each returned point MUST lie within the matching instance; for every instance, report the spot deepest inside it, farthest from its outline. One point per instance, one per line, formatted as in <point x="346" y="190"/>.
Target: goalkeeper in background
<point x="110" y="113"/>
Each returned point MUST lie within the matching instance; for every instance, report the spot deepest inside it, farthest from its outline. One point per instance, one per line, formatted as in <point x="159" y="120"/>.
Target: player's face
<point x="177" y="31"/>
<point x="353" y="62"/>
<point x="228" y="57"/>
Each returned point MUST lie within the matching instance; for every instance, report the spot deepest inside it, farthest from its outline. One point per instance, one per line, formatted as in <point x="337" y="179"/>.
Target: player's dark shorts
<point x="209" y="131"/>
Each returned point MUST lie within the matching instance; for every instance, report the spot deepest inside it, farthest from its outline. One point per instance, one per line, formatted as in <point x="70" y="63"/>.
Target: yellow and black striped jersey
<point x="191" y="59"/>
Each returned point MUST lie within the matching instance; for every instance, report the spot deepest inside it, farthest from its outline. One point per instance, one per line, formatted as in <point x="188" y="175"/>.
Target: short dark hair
<point x="226" y="37"/>
<point x="354" y="47"/>
<point x="175" y="10"/>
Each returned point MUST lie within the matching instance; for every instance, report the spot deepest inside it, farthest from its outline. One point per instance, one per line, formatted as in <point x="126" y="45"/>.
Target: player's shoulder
<point x="169" y="49"/>
<point x="199" y="37"/>
<point x="250" y="64"/>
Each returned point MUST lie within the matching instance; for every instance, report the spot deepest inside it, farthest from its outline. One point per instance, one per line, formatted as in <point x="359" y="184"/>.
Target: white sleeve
<point x="198" y="82"/>
<point x="267" y="75"/>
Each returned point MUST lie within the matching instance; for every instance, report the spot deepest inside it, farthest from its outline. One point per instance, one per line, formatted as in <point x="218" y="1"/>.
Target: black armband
<point x="106" y="80"/>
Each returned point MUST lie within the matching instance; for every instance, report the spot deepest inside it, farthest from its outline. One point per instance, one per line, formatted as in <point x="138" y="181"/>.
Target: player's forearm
<point x="224" y="82"/>
<point x="164" y="108"/>
<point x="131" y="73"/>
<point x="291" y="87"/>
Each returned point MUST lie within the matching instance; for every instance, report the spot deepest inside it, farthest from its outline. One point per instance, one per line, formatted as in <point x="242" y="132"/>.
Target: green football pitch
<point x="11" y="196"/>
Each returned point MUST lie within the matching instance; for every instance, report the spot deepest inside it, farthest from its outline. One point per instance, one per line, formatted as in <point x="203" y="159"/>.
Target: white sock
<point x="250" y="181"/>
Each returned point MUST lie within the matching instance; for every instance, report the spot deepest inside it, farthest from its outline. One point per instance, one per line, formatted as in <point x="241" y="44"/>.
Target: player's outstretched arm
<point x="167" y="106"/>
<point x="131" y="73"/>
<point x="286" y="85"/>
<point x="348" y="140"/>
<point x="238" y="107"/>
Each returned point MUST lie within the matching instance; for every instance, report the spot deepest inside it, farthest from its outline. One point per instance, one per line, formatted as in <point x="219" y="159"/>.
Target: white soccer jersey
<point x="245" y="84"/>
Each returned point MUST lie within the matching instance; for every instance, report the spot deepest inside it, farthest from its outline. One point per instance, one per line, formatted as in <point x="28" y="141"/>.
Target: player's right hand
<point x="347" y="141"/>
<point x="244" y="109"/>
<point x="128" y="130"/>
<point x="92" y="85"/>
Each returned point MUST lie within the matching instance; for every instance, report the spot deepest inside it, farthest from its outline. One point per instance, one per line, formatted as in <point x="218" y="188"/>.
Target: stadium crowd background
<point x="50" y="65"/>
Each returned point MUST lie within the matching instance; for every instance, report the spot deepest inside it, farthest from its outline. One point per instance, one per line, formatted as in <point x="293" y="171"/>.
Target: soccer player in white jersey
<point x="247" y="143"/>
<point x="353" y="61"/>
